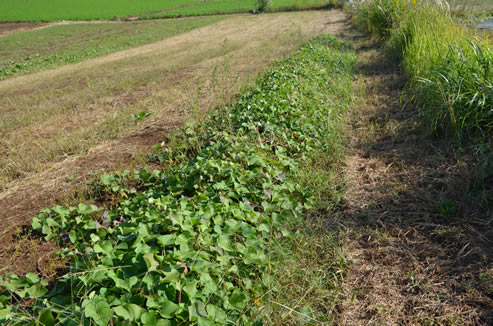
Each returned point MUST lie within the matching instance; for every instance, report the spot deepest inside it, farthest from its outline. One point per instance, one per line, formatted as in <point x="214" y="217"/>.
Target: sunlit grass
<point x="449" y="66"/>
<point x="69" y="43"/>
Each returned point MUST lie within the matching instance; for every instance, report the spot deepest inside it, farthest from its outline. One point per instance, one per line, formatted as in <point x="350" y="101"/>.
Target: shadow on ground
<point x="419" y="230"/>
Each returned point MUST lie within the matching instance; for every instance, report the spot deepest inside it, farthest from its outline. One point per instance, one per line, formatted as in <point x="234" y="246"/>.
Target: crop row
<point x="189" y="244"/>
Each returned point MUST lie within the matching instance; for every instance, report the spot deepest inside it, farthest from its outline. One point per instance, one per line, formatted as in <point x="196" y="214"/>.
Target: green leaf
<point x="97" y="309"/>
<point x="36" y="291"/>
<point x="86" y="209"/>
<point x="105" y="247"/>
<point x="36" y="224"/>
<point x="173" y="276"/>
<point x="5" y="313"/>
<point x="197" y="310"/>
<point x="224" y="242"/>
<point x="72" y="236"/>
<point x="237" y="299"/>
<point x="168" y="309"/>
<point x="149" y="318"/>
<point x="216" y="313"/>
<point x="129" y="311"/>
<point x="167" y="240"/>
<point x="151" y="263"/>
<point x="32" y="278"/>
<point x="46" y="318"/>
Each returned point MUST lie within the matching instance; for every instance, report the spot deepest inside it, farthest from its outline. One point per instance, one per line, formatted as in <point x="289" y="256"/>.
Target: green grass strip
<point x="57" y="45"/>
<point x="192" y="245"/>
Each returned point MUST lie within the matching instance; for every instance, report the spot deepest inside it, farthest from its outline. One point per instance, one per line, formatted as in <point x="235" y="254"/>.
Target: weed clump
<point x="451" y="79"/>
<point x="264" y="5"/>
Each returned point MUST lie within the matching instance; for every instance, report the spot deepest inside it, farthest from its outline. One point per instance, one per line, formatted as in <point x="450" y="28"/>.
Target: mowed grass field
<point x="69" y="43"/>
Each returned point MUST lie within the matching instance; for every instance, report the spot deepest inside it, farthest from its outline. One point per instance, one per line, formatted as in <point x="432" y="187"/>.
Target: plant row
<point x="188" y="245"/>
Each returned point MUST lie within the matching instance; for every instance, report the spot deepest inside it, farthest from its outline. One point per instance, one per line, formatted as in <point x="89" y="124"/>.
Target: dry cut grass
<point x="420" y="245"/>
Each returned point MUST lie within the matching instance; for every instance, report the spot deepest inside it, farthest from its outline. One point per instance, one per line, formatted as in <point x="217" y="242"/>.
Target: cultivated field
<point x="61" y="43"/>
<point x="45" y="11"/>
<point x="246" y="169"/>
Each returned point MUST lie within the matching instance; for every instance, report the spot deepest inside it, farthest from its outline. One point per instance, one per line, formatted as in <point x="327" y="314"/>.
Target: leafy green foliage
<point x="141" y="115"/>
<point x="189" y="244"/>
<point x="264" y="5"/>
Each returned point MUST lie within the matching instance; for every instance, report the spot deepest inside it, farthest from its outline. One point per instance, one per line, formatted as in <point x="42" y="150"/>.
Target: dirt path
<point x="421" y="251"/>
<point x="12" y="28"/>
<point x="172" y="78"/>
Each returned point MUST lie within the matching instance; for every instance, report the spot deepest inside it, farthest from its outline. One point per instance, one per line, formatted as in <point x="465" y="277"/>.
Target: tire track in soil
<point x="411" y="265"/>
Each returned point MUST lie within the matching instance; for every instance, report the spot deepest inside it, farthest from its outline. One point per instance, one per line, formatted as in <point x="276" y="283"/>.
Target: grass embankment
<point x="450" y="70"/>
<point x="62" y="44"/>
<point x="204" y="241"/>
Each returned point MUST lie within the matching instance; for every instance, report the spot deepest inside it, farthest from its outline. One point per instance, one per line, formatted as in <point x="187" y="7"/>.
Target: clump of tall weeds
<point x="264" y="5"/>
<point x="451" y="78"/>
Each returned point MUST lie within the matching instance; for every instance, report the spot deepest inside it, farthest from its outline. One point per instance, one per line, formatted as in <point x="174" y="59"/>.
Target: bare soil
<point x="10" y="28"/>
<point x="179" y="79"/>
<point x="420" y="245"/>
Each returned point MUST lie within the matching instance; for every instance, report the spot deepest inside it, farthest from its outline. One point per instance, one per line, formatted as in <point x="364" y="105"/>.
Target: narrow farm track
<point x="421" y="252"/>
<point x="178" y="79"/>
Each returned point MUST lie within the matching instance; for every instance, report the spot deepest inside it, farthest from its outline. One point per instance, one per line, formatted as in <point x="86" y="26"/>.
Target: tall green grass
<point x="451" y="78"/>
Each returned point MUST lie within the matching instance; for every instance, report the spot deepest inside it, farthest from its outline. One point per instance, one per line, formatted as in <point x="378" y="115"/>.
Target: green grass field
<point x="46" y="11"/>
<point x="235" y="6"/>
<point x="60" y="44"/>
<point x="35" y="10"/>
<point x="208" y="8"/>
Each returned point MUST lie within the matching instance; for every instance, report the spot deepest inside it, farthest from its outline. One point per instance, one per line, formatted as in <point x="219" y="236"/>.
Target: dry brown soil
<point x="420" y="246"/>
<point x="10" y="28"/>
<point x="86" y="108"/>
